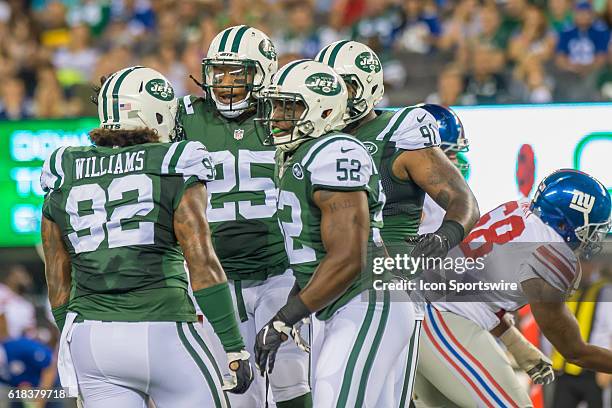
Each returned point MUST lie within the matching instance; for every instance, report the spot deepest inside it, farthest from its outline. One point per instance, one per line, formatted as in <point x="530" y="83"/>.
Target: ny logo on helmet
<point x="582" y="202"/>
<point x="368" y="62"/>
<point x="323" y="84"/>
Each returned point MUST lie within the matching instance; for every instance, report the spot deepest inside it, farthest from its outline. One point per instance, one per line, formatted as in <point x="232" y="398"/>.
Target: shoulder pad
<point x="412" y="129"/>
<point x="52" y="175"/>
<point x="339" y="161"/>
<point x="189" y="159"/>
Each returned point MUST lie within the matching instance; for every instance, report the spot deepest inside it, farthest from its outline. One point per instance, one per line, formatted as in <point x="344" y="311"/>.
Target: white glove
<point x="240" y="373"/>
<point x="529" y="358"/>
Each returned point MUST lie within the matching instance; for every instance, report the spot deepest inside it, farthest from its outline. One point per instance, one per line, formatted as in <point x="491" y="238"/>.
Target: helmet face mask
<point x="307" y="99"/>
<point x="282" y="117"/>
<point x="357" y="106"/>
<point x="577" y="207"/>
<point x="239" y="64"/>
<point x="231" y="83"/>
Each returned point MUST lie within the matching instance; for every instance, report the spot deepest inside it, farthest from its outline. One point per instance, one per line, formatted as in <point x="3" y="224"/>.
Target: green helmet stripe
<point x="224" y="38"/>
<point x="104" y="98"/>
<point x="289" y="68"/>
<point x="238" y="38"/>
<point x="334" y="53"/>
<point x="116" y="92"/>
<point x="322" y="53"/>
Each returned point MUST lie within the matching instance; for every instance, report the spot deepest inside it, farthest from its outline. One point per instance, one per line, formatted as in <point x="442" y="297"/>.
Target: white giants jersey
<point x="514" y="245"/>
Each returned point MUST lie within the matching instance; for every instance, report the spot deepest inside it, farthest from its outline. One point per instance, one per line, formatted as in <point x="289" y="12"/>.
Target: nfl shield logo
<point x="238" y="134"/>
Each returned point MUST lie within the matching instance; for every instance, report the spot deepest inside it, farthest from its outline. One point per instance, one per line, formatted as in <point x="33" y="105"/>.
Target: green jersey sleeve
<point x="339" y="163"/>
<point x="415" y="129"/>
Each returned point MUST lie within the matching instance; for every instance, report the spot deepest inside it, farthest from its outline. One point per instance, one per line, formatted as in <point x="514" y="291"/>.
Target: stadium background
<point x="531" y="94"/>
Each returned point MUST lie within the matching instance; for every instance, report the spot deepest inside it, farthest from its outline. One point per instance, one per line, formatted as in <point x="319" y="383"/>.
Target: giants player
<point x="535" y="245"/>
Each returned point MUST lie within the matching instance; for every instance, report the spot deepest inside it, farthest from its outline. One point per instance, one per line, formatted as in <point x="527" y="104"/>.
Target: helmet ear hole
<point x="374" y="88"/>
<point x="141" y="87"/>
<point x="326" y="113"/>
<point x="160" y="118"/>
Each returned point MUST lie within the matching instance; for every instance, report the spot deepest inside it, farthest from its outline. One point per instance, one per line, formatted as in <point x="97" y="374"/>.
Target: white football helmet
<point x="360" y="67"/>
<point x="139" y="97"/>
<point x="252" y="54"/>
<point x="314" y="86"/>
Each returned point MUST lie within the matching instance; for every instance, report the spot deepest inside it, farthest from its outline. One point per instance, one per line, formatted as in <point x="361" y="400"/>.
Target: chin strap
<point x="236" y="110"/>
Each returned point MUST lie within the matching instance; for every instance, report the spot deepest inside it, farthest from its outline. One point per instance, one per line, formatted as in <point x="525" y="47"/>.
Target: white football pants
<point x="289" y="379"/>
<point x="461" y="365"/>
<point x="123" y="364"/>
<point x="356" y="351"/>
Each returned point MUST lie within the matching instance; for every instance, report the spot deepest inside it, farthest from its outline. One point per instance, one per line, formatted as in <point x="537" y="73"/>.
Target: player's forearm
<point x="331" y="279"/>
<point x="193" y="234"/>
<point x="463" y="209"/>
<point x="204" y="267"/>
<point x="590" y="357"/>
<point x="57" y="264"/>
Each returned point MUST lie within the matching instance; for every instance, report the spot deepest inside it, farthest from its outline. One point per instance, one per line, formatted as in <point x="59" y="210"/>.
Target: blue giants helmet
<point x="450" y="127"/>
<point x="576" y="206"/>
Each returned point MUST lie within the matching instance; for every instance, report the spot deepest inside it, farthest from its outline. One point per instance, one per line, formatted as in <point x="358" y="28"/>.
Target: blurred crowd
<point x="454" y="52"/>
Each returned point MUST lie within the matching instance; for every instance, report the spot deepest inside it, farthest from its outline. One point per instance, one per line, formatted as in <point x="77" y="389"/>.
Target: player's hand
<point x="241" y="373"/>
<point x="430" y="245"/>
<point x="542" y="373"/>
<point x="267" y="343"/>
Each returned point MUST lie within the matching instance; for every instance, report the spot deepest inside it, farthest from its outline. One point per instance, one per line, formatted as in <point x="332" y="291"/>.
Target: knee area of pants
<point x="289" y="379"/>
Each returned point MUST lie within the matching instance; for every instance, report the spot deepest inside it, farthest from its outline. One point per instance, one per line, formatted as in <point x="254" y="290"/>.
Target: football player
<point x="405" y="146"/>
<point x="535" y="245"/>
<point x="329" y="207"/>
<point x="528" y="357"/>
<point x="119" y="219"/>
<point x="242" y="199"/>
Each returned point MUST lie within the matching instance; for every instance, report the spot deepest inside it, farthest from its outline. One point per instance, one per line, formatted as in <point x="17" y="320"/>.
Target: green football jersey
<point x="115" y="209"/>
<point x="335" y="162"/>
<point x="242" y="198"/>
<point x="386" y="137"/>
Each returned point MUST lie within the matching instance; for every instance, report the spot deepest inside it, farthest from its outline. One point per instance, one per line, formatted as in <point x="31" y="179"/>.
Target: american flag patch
<point x="125" y="106"/>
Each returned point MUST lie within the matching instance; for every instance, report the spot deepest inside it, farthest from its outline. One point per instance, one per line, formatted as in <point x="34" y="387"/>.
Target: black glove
<point x="277" y="331"/>
<point x="437" y="244"/>
<point x="241" y="373"/>
<point x="430" y="245"/>
<point x="267" y="343"/>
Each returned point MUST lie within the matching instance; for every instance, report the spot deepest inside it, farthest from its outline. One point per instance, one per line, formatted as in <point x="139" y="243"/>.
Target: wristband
<point x="59" y="315"/>
<point x="293" y="311"/>
<point x="218" y="308"/>
<point x="452" y="231"/>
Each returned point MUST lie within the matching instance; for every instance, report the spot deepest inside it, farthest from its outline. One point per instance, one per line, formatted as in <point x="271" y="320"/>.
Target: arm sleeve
<point x="415" y="128"/>
<point x="341" y="164"/>
<point x="555" y="263"/>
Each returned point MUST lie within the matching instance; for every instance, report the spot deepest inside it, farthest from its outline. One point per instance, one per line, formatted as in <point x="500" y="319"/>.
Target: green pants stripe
<point x="190" y="349"/>
<point x="411" y="365"/>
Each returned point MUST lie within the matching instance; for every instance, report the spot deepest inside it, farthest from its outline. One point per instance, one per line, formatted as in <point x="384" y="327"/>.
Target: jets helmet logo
<point x="323" y="84"/>
<point x="368" y="62"/>
<point x="160" y="89"/>
<point x="582" y="202"/>
<point x="267" y="49"/>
